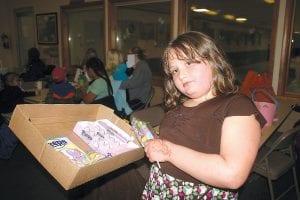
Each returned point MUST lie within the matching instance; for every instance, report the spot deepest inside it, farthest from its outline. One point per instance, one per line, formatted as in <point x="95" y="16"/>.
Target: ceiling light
<point x="241" y="19"/>
<point x="195" y="9"/>
<point x="269" y="1"/>
<point x="229" y="17"/>
<point x="204" y="10"/>
<point x="211" y="12"/>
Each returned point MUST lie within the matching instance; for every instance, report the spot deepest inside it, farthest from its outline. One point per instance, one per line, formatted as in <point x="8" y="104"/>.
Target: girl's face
<point x="90" y="72"/>
<point x="15" y="82"/>
<point x="192" y="79"/>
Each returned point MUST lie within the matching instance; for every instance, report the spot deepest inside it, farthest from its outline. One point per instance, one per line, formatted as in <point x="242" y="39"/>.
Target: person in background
<point x="60" y="91"/>
<point x="81" y="71"/>
<point x="140" y="82"/>
<point x="35" y="66"/>
<point x="11" y="94"/>
<point x="116" y="68"/>
<point x="99" y="89"/>
<point x="207" y="143"/>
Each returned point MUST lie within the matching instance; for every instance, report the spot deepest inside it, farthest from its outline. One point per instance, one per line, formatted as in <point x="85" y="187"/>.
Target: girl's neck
<point x="195" y="102"/>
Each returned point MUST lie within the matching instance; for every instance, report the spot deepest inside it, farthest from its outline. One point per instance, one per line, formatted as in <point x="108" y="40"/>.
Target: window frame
<point x="286" y="50"/>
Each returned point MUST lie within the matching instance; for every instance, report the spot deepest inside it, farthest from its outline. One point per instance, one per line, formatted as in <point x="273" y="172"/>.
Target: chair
<point x="152" y="115"/>
<point x="275" y="160"/>
<point x="274" y="136"/>
<point x="136" y="104"/>
<point x="152" y="92"/>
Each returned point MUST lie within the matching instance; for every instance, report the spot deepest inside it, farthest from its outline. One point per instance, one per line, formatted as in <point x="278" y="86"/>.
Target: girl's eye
<point x="188" y="62"/>
<point x="173" y="71"/>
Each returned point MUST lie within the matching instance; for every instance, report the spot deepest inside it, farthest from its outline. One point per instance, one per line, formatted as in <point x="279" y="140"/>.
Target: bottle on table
<point x="82" y="79"/>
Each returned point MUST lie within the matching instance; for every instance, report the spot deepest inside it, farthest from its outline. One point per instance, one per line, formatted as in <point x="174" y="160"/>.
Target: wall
<point x="8" y="24"/>
<point x="5" y="54"/>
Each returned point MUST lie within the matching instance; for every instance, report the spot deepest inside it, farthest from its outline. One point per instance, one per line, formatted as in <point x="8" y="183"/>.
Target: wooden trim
<point x="172" y="21"/>
<point x="112" y="26"/>
<point x="182" y="16"/>
<point x="81" y="5"/>
<point x="273" y="37"/>
<point x="64" y="38"/>
<point x="286" y="47"/>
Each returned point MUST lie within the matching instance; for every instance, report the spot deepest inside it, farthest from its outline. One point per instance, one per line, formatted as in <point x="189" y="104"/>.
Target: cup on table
<point x="39" y="87"/>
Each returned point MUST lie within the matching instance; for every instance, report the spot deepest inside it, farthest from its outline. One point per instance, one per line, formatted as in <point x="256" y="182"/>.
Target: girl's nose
<point x="182" y="74"/>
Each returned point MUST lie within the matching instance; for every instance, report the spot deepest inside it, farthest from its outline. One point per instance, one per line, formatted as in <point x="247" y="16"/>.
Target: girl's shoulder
<point x="98" y="82"/>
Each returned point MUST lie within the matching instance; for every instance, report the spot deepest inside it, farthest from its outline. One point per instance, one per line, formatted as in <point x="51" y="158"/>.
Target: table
<point x="38" y="98"/>
<point x="282" y="112"/>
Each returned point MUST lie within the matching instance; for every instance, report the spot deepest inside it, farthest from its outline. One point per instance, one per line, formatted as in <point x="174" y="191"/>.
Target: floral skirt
<point x="164" y="186"/>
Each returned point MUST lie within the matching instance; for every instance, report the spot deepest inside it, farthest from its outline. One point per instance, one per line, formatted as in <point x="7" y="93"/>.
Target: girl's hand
<point x="158" y="150"/>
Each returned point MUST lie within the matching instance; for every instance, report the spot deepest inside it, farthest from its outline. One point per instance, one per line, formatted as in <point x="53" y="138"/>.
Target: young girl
<point x="116" y="67"/>
<point x="210" y="136"/>
<point x="99" y="89"/>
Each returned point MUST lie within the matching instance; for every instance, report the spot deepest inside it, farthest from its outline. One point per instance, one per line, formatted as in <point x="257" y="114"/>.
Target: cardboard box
<point x="33" y="124"/>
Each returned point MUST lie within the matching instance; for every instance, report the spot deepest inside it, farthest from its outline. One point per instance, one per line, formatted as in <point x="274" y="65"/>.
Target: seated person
<point x="139" y="83"/>
<point x="60" y="91"/>
<point x="99" y="89"/>
<point x="81" y="70"/>
<point x="12" y="95"/>
<point x="116" y="68"/>
<point x="35" y="66"/>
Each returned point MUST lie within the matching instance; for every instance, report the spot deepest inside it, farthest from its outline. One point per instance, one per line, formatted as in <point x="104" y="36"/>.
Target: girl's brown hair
<point x="197" y="47"/>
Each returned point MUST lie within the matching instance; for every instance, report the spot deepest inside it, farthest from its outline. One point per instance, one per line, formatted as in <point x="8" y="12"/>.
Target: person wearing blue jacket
<point x="116" y="68"/>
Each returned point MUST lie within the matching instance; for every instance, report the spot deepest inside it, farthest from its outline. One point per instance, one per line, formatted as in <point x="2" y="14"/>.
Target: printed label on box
<point x="73" y="152"/>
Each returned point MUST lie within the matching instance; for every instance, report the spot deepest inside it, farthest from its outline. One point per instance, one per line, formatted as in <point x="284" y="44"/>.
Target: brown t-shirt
<point x="199" y="127"/>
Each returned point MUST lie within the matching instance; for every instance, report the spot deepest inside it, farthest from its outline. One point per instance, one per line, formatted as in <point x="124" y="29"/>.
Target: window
<point x="83" y="28"/>
<point x="146" y="25"/>
<point x="235" y="25"/>
<point x="293" y="80"/>
<point x="26" y="35"/>
<point x="86" y="31"/>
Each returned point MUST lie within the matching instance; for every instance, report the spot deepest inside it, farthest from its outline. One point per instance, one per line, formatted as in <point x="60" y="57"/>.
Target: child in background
<point x="60" y="91"/>
<point x="116" y="68"/>
<point x="35" y="66"/>
<point x="81" y="71"/>
<point x="207" y="144"/>
<point x="99" y="90"/>
<point x="11" y="94"/>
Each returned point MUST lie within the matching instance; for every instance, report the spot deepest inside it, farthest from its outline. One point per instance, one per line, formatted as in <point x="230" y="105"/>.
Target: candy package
<point x="73" y="152"/>
<point x="142" y="130"/>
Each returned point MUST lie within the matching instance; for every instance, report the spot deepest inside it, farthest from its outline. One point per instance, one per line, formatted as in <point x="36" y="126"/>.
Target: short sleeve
<point x="241" y="105"/>
<point x="99" y="88"/>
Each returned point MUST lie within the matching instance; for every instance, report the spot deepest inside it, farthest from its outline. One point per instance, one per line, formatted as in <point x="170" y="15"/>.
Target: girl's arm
<point x="89" y="97"/>
<point x="135" y="80"/>
<point x="229" y="169"/>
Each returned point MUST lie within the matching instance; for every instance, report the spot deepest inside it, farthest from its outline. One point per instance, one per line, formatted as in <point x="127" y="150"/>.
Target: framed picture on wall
<point x="46" y="26"/>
